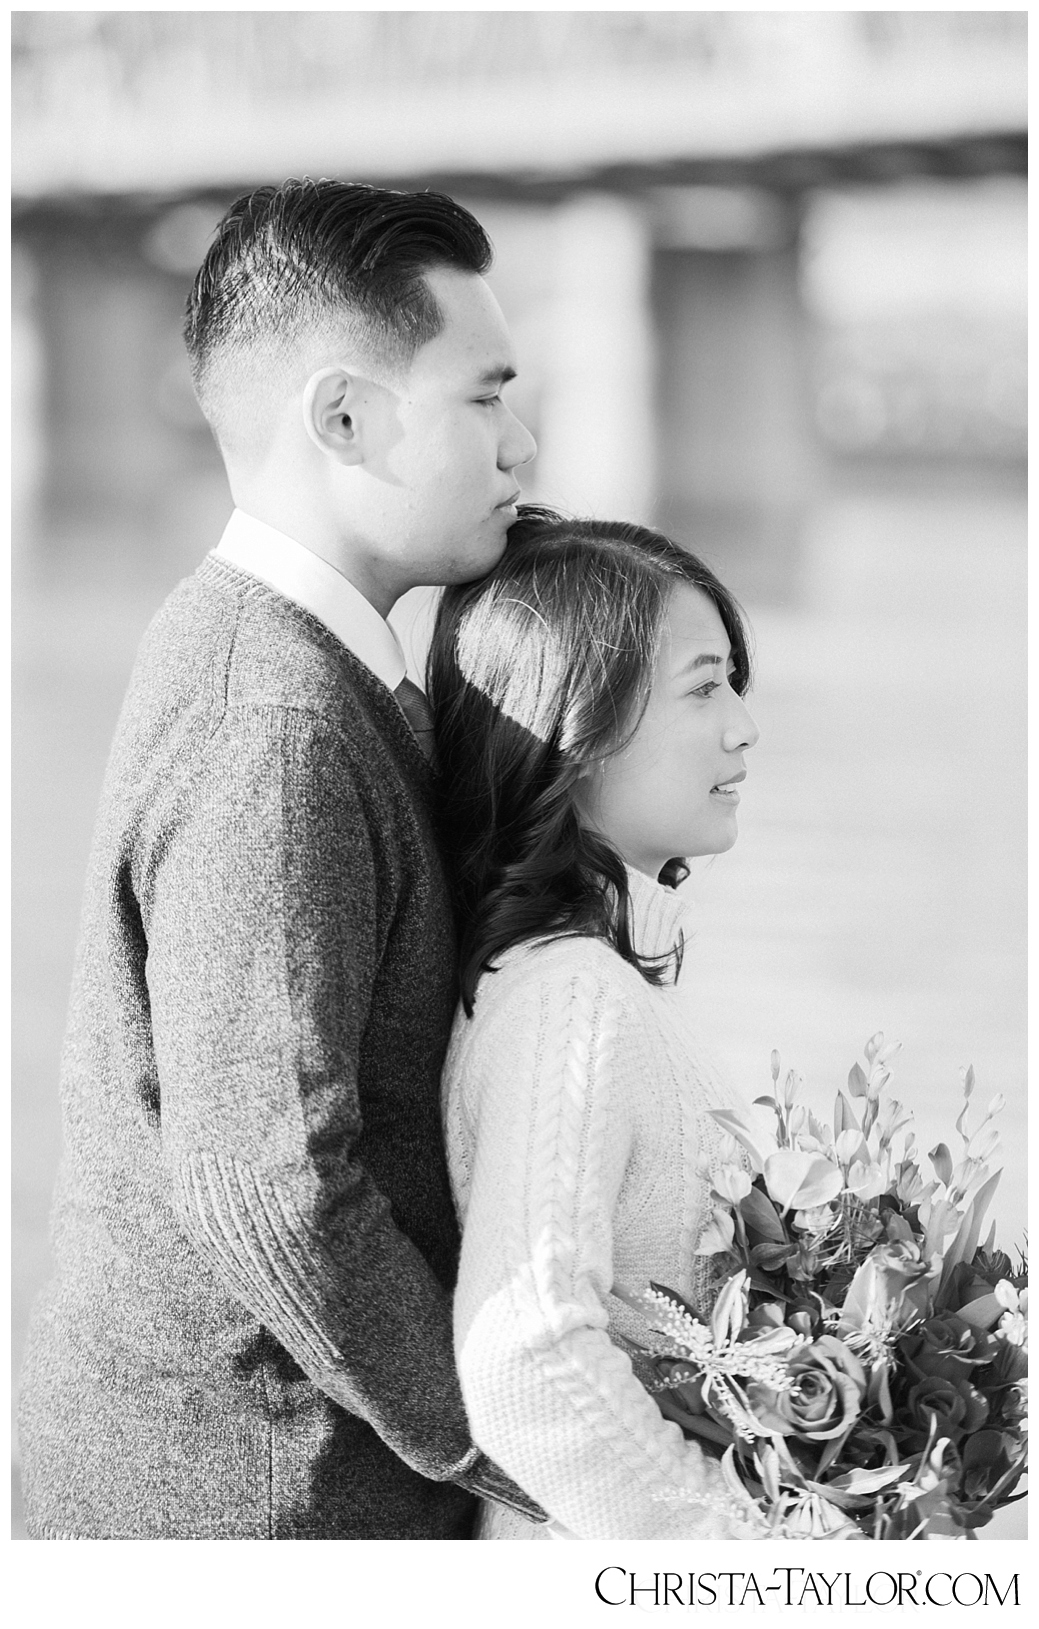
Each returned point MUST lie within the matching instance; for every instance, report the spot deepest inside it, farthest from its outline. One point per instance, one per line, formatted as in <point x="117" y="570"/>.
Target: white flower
<point x="1013" y="1326"/>
<point x="816" y="1221"/>
<point x="808" y="1515"/>
<point x="1007" y="1296"/>
<point x="731" y="1183"/>
<point x="717" y="1355"/>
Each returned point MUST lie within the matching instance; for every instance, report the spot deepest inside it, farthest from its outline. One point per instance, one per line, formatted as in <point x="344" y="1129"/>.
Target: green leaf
<point x="737" y="1127"/>
<point x="983" y="1312"/>
<point x="758" y="1281"/>
<point x="857" y="1084"/>
<point x="760" y="1214"/>
<point x="966" y="1240"/>
<point x="702" y="1426"/>
<point x="673" y="1296"/>
<point x="843" y="1118"/>
<point x="864" y="1481"/>
<point x="770" y="1256"/>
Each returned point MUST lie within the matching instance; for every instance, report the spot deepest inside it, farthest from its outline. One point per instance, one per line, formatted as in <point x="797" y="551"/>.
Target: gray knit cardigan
<point x="248" y="1334"/>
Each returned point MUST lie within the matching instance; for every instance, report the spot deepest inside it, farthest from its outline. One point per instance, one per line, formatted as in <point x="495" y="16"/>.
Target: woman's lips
<point x="728" y="790"/>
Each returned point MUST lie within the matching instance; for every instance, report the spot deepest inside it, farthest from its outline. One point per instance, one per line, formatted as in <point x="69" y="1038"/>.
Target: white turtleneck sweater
<point x="575" y="1107"/>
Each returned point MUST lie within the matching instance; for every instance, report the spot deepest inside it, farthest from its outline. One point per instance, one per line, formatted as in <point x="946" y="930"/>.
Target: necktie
<point x="415" y="708"/>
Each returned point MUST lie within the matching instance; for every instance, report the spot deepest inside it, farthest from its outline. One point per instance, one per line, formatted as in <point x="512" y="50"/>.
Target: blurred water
<point x="879" y="878"/>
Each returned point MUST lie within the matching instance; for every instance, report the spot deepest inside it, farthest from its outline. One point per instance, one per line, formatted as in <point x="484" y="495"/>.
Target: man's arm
<point x="259" y="902"/>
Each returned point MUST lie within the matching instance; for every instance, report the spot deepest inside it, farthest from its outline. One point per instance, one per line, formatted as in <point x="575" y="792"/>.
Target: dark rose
<point x="987" y="1457"/>
<point x="946" y="1348"/>
<point x="770" y="1315"/>
<point x="829" y="1385"/>
<point x="954" y="1404"/>
<point x="683" y="1401"/>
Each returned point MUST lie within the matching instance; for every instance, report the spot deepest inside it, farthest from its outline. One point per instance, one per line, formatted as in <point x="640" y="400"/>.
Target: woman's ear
<point x="331" y="399"/>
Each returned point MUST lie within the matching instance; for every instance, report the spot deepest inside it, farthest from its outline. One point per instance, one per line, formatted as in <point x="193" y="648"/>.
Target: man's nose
<point x="517" y="445"/>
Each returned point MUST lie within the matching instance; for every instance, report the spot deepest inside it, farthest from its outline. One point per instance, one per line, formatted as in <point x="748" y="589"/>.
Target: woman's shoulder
<point x="536" y="986"/>
<point x="533" y="970"/>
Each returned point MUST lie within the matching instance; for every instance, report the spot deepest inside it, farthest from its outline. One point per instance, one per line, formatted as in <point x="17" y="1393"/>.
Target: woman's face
<point x="672" y="790"/>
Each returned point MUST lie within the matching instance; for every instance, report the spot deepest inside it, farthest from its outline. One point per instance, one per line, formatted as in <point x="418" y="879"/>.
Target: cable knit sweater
<point x="575" y="1107"/>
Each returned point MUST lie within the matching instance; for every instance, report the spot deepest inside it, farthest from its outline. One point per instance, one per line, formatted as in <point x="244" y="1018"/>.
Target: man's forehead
<point x="475" y="332"/>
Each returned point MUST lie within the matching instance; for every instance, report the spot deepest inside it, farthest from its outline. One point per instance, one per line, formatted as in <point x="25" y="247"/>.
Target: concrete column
<point x="739" y="457"/>
<point x="597" y="429"/>
<point x="28" y="428"/>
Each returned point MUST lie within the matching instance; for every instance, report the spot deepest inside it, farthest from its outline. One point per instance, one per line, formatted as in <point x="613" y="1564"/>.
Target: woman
<point x="590" y="726"/>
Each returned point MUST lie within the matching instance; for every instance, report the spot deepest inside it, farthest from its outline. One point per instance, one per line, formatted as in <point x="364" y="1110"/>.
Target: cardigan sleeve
<point x="550" y="1398"/>
<point x="259" y="904"/>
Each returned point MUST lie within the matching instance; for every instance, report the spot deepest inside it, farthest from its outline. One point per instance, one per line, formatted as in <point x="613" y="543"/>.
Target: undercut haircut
<point x="308" y="257"/>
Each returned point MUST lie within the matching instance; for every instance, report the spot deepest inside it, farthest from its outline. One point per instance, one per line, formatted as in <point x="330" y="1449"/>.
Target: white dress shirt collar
<point x="298" y="574"/>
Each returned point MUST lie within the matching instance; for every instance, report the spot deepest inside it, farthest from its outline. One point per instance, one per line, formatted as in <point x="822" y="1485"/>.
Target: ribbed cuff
<point x="485" y="1478"/>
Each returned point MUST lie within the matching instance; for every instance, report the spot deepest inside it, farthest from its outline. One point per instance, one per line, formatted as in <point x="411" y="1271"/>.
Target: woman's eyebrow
<point x="704" y="660"/>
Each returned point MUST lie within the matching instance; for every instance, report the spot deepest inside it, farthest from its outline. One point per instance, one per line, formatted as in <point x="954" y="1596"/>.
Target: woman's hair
<point x="536" y="671"/>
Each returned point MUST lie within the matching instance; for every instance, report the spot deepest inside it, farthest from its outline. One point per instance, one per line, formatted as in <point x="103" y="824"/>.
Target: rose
<point x="684" y="1390"/>
<point x="900" y="1258"/>
<point x="987" y="1458"/>
<point x="825" y="1399"/>
<point x="682" y="1400"/>
<point x="770" y="1315"/>
<point x="954" y="1407"/>
<point x="947" y="1348"/>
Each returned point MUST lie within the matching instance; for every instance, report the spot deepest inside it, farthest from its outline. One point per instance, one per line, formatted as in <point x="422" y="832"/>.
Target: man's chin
<point x="480" y="560"/>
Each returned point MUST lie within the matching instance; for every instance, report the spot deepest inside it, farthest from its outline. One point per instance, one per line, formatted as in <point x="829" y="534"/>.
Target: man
<point x="249" y="1331"/>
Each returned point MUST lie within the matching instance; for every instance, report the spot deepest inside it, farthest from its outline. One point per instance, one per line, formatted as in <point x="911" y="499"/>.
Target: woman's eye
<point x="707" y="689"/>
<point x="489" y="401"/>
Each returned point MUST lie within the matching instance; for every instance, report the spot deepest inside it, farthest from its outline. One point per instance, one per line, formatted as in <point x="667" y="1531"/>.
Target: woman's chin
<point x="718" y="842"/>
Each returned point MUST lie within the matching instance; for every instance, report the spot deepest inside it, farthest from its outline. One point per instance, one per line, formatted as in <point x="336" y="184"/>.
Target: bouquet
<point x="862" y="1370"/>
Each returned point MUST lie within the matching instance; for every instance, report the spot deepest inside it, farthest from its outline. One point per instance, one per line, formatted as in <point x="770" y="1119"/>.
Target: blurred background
<point x="766" y="277"/>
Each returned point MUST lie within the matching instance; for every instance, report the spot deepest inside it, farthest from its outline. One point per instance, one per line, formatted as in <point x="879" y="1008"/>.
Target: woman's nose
<point x="741" y="732"/>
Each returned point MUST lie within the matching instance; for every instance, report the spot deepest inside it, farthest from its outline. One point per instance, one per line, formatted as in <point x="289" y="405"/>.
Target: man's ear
<point x="331" y="399"/>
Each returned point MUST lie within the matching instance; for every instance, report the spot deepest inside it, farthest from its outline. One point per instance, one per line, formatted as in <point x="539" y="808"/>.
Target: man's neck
<point x="307" y="529"/>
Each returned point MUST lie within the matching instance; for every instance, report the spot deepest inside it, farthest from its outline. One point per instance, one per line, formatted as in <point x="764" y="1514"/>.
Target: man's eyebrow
<point x="498" y="375"/>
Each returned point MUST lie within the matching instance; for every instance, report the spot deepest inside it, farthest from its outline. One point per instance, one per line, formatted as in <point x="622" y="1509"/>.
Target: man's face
<point x="441" y="465"/>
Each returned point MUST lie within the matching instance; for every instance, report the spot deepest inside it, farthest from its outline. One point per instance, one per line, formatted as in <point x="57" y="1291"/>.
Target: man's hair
<point x="332" y="256"/>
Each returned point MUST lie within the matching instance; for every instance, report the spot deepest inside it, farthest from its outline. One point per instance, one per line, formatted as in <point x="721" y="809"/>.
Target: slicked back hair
<point x="537" y="671"/>
<point x="334" y="255"/>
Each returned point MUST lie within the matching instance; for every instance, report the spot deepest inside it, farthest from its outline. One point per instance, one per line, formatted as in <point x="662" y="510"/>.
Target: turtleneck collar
<point x="658" y="914"/>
